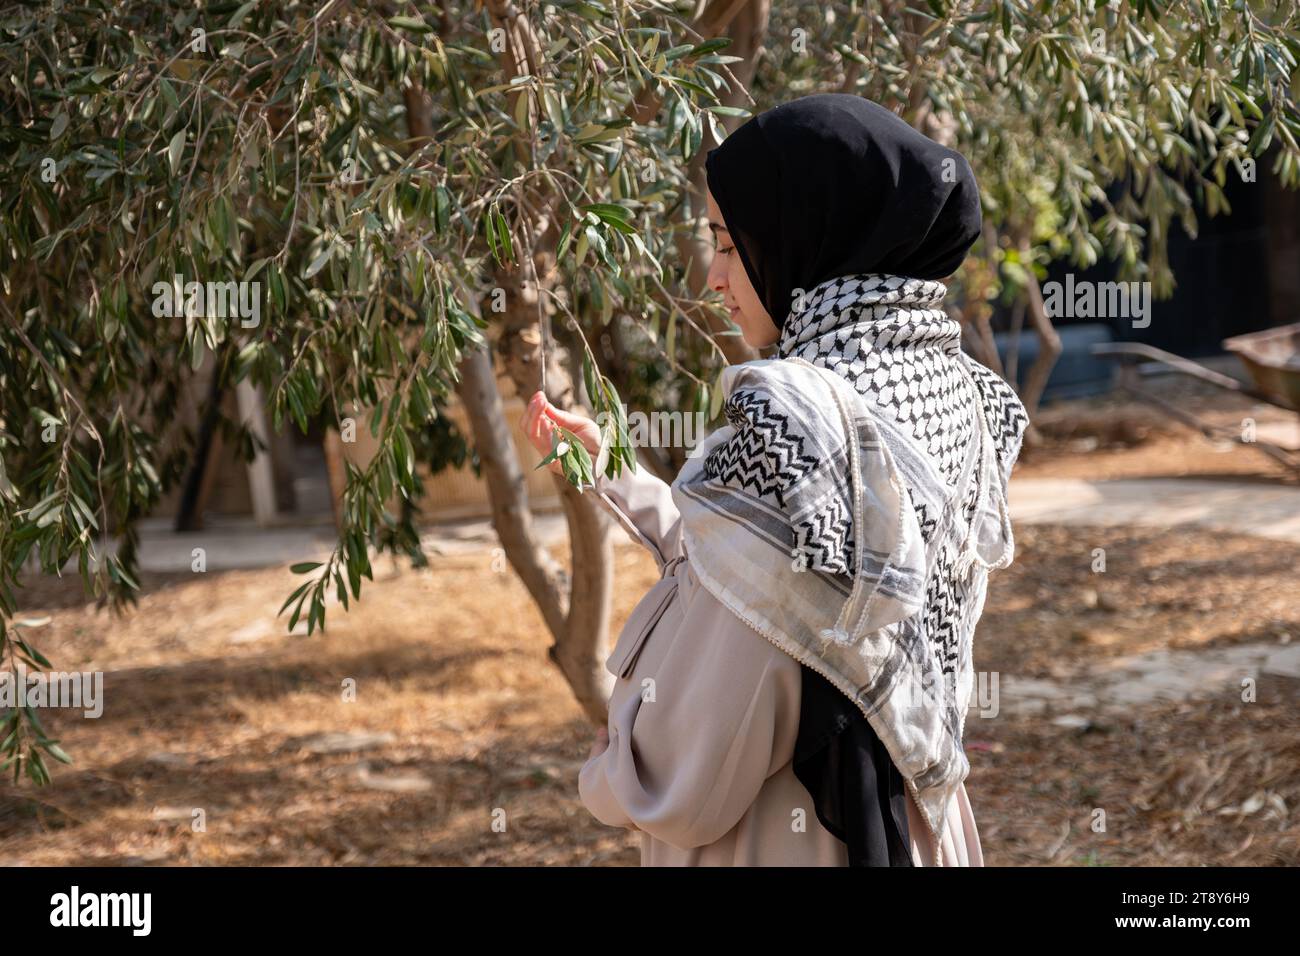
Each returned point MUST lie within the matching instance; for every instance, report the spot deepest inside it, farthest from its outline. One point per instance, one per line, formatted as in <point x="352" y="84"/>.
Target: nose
<point x="717" y="274"/>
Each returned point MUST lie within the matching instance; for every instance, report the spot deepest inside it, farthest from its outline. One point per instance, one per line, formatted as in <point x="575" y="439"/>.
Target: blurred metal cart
<point x="1271" y="358"/>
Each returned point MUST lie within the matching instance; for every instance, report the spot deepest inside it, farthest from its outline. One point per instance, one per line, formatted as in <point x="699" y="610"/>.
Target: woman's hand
<point x="598" y="747"/>
<point x="600" y="744"/>
<point x="540" y="418"/>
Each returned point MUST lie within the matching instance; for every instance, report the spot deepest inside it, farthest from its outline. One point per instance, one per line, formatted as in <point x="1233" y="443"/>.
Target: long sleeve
<point x="694" y="734"/>
<point x="643" y="505"/>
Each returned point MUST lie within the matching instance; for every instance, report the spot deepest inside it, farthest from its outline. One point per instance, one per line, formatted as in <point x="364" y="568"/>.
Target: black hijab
<point x="818" y="188"/>
<point x="831" y="185"/>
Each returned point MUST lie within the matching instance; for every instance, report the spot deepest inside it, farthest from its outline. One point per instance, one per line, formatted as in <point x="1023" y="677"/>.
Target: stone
<point x="340" y="742"/>
<point x="391" y="782"/>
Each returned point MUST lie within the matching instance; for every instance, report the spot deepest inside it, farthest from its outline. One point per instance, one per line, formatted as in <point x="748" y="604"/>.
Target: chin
<point x="757" y="333"/>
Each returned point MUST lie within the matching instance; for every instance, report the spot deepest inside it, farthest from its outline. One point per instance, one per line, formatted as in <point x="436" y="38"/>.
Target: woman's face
<point x="727" y="275"/>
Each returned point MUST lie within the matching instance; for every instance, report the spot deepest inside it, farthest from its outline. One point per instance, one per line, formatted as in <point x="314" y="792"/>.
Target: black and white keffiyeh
<point x="852" y="506"/>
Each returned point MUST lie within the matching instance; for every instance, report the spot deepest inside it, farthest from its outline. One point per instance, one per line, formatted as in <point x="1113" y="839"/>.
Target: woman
<point x="824" y="556"/>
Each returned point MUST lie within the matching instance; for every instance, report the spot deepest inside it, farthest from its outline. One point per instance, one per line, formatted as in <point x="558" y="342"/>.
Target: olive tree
<point x="396" y="185"/>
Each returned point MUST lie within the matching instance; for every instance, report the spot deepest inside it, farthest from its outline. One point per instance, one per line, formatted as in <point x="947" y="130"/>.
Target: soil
<point x="212" y="707"/>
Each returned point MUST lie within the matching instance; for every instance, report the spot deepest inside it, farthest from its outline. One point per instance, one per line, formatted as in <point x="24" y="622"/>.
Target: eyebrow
<point x="716" y="227"/>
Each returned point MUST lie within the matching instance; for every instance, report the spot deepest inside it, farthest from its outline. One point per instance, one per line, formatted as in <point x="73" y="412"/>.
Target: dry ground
<point x="211" y="706"/>
<point x="1107" y="437"/>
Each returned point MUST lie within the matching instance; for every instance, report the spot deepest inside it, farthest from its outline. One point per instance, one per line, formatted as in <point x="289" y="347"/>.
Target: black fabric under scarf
<point x="822" y="187"/>
<point x="832" y="185"/>
<point x="858" y="794"/>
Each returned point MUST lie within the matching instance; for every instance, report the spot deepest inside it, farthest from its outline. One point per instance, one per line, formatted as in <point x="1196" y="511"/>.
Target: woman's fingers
<point x="532" y="423"/>
<point x="538" y="428"/>
<point x="580" y="425"/>
<point x="566" y="419"/>
<point x="544" y="430"/>
<point x="541" y="419"/>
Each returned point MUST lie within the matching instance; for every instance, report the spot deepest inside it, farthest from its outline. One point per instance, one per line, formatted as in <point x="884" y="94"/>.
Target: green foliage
<point x="1055" y="101"/>
<point x="273" y="142"/>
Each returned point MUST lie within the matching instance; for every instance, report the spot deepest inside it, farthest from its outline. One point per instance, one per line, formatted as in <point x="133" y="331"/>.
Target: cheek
<point x="741" y="287"/>
<point x="758" y="327"/>
<point x="743" y="290"/>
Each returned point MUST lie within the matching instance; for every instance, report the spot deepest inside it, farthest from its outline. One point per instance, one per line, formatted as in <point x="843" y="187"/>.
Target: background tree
<point x="1091" y="125"/>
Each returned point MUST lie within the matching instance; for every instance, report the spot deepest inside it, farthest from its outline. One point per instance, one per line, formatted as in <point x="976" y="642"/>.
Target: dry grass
<point x="210" y="705"/>
<point x="1161" y="588"/>
<point x="1191" y="784"/>
<point x="482" y="722"/>
<point x="451" y="663"/>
